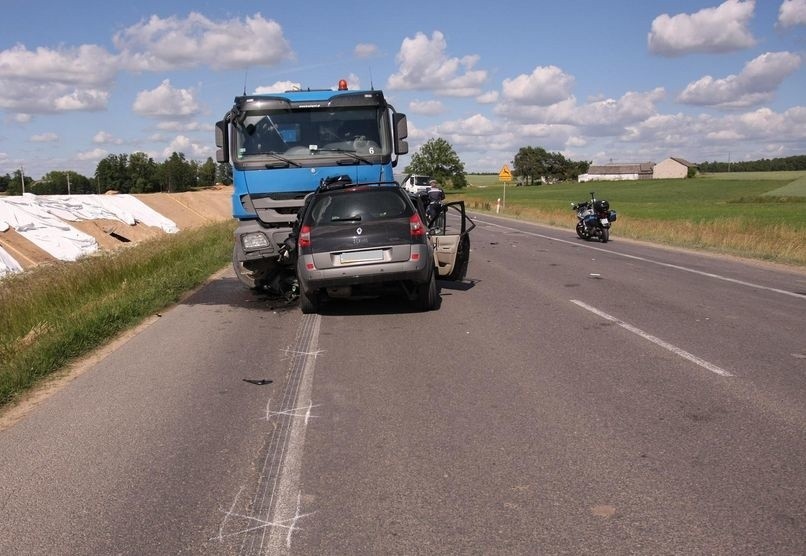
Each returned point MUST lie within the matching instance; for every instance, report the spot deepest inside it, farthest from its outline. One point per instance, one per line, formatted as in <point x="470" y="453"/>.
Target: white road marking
<point x="644" y="259"/>
<point x="287" y="495"/>
<point x="666" y="345"/>
<point x="273" y="515"/>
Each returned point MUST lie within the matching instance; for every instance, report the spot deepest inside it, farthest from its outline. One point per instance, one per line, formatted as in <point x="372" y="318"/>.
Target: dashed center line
<point x="796" y="295"/>
<point x="655" y="340"/>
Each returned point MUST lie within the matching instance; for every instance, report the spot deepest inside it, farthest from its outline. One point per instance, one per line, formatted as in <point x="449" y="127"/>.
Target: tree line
<point x="124" y="173"/>
<point x="531" y="166"/>
<point x="139" y="173"/>
<point x="762" y="165"/>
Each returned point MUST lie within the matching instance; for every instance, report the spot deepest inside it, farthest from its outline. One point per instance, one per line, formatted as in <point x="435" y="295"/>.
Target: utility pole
<point x="68" y="183"/>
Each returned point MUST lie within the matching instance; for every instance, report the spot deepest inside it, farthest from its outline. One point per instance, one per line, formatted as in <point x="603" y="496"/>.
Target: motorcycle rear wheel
<point x="605" y="235"/>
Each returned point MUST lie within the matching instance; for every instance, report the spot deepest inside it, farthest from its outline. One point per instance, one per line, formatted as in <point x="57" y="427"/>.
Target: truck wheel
<point x="246" y="277"/>
<point x="309" y="302"/>
<point x="427" y="297"/>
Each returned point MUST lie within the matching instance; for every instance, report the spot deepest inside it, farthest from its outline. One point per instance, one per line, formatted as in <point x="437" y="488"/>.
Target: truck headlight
<point x="254" y="240"/>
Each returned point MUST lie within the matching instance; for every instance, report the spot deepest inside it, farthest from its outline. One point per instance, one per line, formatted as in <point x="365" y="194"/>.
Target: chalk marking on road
<point x="279" y="476"/>
<point x="297" y="517"/>
<point x="304" y="411"/>
<point x="285" y="496"/>
<point x="290" y="524"/>
<point x="229" y="513"/>
<point x="655" y="340"/>
<point x="294" y="353"/>
<point x="232" y="513"/>
<point x="651" y="261"/>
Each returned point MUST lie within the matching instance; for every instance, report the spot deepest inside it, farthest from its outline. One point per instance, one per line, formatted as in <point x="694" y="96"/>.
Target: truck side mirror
<point x="222" y="141"/>
<point x="401" y="131"/>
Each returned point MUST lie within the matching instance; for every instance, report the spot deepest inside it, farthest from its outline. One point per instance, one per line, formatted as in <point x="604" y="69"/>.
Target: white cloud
<point x="365" y="50"/>
<point x="576" y="141"/>
<point x="353" y="82"/>
<point x="426" y="107"/>
<point x="490" y="97"/>
<point x="755" y="84"/>
<point x="723" y="135"/>
<point x="78" y="100"/>
<point x="164" y="44"/>
<point x="791" y="13"/>
<point x="48" y="137"/>
<point x="544" y="86"/>
<point x="721" y="29"/>
<point x="103" y="137"/>
<point x="173" y="125"/>
<point x="600" y="117"/>
<point x="93" y="155"/>
<point x="424" y="65"/>
<point x="166" y="101"/>
<point x="476" y="125"/>
<point x="278" y="87"/>
<point x="47" y="80"/>
<point x="703" y="135"/>
<point x="85" y="65"/>
<point x="183" y="144"/>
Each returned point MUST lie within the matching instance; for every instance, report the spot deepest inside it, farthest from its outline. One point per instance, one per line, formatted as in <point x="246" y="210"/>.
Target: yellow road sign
<point x="505" y="174"/>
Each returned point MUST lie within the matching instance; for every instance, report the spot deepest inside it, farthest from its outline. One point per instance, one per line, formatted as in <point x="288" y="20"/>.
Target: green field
<point x="758" y="215"/>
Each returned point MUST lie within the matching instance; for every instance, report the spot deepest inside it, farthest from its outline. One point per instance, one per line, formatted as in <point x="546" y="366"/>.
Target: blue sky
<point x="597" y="80"/>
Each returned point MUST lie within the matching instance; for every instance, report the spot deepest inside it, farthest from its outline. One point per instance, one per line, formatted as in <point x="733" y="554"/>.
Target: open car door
<point x="450" y="236"/>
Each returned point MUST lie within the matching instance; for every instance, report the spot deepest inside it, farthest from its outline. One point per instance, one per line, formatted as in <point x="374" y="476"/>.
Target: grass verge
<point x="56" y="313"/>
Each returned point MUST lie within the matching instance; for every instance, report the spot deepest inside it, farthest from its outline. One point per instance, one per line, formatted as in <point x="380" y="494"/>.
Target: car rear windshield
<point x="364" y="205"/>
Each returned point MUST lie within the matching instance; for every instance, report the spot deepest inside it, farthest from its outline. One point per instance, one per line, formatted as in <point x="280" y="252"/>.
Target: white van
<point x="417" y="184"/>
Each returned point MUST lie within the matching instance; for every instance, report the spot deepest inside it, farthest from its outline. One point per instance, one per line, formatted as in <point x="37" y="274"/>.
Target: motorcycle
<point x="594" y="218"/>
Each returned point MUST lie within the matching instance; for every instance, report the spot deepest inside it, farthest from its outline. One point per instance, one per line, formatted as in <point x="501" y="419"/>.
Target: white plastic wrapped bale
<point x="8" y="264"/>
<point x="45" y="230"/>
<point x="141" y="212"/>
<point x="126" y="208"/>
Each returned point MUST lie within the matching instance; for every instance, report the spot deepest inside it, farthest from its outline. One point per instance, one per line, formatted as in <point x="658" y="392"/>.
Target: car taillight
<point x="304" y="237"/>
<point x="416" y="226"/>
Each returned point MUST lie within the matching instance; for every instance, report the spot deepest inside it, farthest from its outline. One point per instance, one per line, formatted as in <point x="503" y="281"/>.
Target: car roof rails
<point x="344" y="181"/>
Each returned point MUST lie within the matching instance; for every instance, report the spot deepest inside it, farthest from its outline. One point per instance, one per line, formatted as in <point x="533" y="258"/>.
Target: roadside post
<point x="505" y="176"/>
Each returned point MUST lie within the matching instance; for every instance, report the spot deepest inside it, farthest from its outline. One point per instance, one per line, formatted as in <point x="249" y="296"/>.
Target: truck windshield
<point x="309" y="133"/>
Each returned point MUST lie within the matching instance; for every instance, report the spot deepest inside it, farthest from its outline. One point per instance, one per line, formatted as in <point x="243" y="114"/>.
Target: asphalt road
<point x="568" y="398"/>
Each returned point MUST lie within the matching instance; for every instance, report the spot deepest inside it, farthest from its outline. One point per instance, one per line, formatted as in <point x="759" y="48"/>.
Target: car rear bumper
<point x="415" y="271"/>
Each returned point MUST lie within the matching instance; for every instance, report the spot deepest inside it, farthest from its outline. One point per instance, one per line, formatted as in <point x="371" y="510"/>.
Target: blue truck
<point x="282" y="146"/>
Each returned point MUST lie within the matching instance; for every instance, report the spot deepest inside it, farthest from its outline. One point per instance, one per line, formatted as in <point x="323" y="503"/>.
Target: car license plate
<point x="361" y="256"/>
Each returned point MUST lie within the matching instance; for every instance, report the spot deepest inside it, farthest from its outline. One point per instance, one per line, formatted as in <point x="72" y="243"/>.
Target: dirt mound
<point x="188" y="209"/>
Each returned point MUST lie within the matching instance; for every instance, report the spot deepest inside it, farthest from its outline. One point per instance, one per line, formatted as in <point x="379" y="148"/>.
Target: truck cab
<point x="281" y="147"/>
